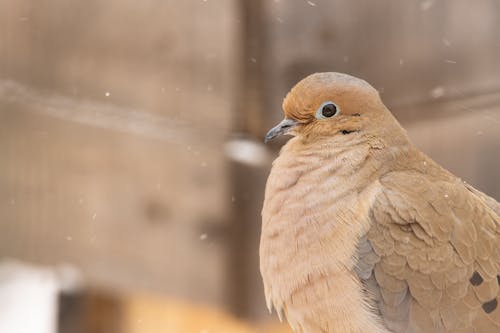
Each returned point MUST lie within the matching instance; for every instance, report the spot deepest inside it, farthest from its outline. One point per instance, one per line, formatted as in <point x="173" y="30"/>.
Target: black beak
<point x="282" y="128"/>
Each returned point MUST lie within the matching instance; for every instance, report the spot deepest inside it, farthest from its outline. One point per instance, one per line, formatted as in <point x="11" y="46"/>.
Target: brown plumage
<point x="362" y="232"/>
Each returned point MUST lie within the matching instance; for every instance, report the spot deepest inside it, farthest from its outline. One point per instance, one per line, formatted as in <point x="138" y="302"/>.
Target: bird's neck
<point x="307" y="179"/>
<point x="387" y="129"/>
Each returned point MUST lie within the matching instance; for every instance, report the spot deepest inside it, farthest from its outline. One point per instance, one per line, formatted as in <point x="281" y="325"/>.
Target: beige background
<point x="115" y="115"/>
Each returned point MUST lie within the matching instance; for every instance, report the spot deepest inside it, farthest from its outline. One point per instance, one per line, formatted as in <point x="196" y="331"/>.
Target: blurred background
<point x="132" y="168"/>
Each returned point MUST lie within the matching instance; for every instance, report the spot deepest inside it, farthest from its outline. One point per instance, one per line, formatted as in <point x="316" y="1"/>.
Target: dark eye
<point x="327" y="110"/>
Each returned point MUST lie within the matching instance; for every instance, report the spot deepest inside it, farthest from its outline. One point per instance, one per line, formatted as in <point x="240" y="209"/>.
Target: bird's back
<point x="434" y="250"/>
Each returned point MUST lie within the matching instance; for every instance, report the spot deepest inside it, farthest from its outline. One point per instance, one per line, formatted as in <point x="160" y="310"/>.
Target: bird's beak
<point x="282" y="128"/>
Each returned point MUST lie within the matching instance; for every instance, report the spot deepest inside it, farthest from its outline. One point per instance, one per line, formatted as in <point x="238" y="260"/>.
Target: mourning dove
<point x="362" y="232"/>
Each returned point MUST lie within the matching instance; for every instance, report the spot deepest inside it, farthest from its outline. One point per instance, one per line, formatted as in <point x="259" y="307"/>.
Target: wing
<point x="431" y="260"/>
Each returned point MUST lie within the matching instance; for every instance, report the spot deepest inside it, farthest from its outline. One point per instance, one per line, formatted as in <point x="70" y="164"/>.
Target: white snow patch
<point x="437" y="92"/>
<point x="247" y="152"/>
<point x="28" y="291"/>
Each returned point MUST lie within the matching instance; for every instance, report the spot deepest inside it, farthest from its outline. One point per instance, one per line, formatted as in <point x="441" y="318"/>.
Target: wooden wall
<point x="112" y="120"/>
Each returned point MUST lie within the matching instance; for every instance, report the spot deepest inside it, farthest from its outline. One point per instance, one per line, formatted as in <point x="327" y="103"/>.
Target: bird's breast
<point x="315" y="209"/>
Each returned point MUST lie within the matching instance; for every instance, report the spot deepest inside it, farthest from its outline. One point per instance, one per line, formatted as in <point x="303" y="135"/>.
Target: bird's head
<point x="328" y="104"/>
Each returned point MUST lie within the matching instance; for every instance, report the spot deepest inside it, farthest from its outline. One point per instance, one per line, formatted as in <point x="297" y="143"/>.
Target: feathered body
<point x="361" y="232"/>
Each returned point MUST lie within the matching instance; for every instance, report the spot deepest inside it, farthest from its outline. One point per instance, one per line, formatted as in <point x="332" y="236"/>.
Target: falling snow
<point x="437" y="92"/>
<point x="426" y="5"/>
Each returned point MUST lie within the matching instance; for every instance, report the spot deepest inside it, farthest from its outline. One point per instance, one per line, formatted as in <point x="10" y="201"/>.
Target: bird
<point x="363" y="232"/>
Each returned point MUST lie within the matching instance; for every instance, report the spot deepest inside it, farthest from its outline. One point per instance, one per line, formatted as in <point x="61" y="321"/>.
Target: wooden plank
<point x="247" y="180"/>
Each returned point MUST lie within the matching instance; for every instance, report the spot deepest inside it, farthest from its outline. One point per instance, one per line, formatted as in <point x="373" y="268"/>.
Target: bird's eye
<point x="326" y="110"/>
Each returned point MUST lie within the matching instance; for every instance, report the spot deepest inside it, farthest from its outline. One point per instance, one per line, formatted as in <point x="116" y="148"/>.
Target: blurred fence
<point x="112" y="119"/>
